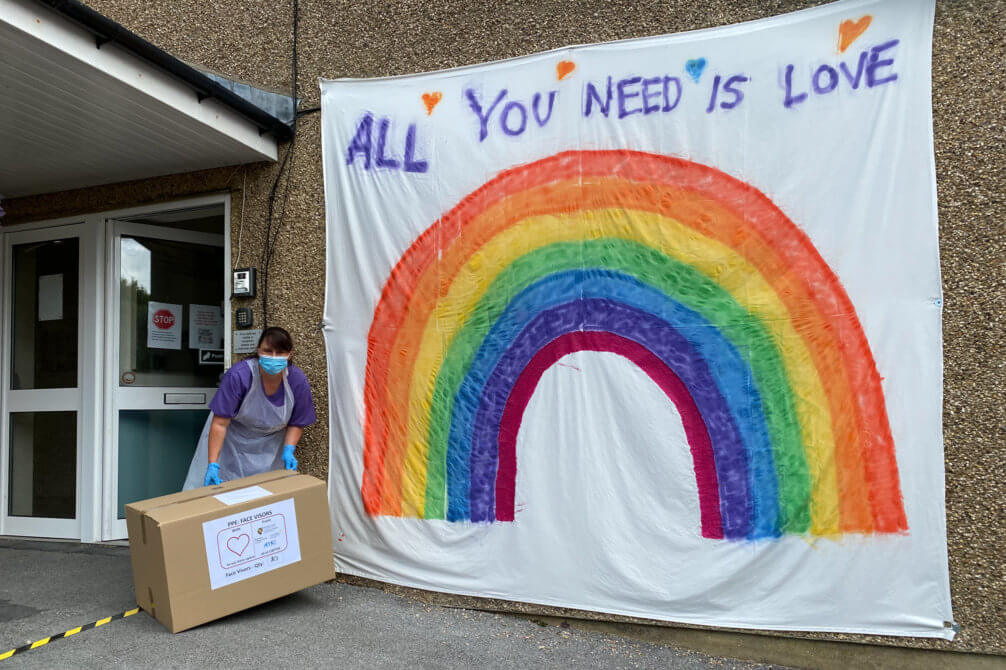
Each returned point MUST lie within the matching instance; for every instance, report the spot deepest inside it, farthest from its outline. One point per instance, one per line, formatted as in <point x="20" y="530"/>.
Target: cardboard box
<point x="202" y="554"/>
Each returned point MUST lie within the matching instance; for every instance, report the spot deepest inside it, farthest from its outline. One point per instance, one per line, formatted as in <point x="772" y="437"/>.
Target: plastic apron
<point x="254" y="440"/>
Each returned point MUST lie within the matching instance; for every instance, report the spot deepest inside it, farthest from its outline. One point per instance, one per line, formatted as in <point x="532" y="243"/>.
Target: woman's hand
<point x="212" y="477"/>
<point x="292" y="437"/>
<point x="288" y="459"/>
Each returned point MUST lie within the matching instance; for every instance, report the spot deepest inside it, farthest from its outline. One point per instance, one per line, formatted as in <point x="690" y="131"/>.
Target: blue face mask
<point x="273" y="365"/>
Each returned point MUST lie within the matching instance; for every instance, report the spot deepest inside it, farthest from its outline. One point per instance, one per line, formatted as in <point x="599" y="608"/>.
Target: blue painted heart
<point x="695" y="67"/>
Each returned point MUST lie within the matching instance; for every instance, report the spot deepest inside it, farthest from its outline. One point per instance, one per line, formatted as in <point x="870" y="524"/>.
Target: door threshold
<point x="23" y="543"/>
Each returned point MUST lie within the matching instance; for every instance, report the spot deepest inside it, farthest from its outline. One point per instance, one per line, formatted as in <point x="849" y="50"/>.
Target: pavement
<point x="49" y="587"/>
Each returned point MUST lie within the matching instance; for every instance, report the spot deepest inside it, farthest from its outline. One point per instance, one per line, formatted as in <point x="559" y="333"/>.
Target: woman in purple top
<point x="257" y="416"/>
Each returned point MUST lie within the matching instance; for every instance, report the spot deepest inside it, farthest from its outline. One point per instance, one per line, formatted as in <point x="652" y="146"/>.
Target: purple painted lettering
<point x="510" y="106"/>
<point x="832" y="82"/>
<point x="791" y="100"/>
<point x="854" y="80"/>
<point x="361" y="141"/>
<point x="713" y="94"/>
<point x="411" y="164"/>
<point x="623" y="96"/>
<point x="647" y="108"/>
<point x="730" y="88"/>
<point x="534" y="107"/>
<point x="668" y="106"/>
<point x="591" y="95"/>
<point x="875" y="63"/>
<point x="382" y="138"/>
<point x="476" y="107"/>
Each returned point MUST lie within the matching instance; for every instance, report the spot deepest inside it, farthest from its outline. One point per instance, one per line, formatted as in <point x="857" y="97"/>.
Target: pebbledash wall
<point x="251" y="40"/>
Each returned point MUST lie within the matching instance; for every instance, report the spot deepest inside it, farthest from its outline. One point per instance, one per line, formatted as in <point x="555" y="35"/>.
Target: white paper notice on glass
<point x="164" y="325"/>
<point x="250" y="543"/>
<point x="206" y="327"/>
<point x="50" y="297"/>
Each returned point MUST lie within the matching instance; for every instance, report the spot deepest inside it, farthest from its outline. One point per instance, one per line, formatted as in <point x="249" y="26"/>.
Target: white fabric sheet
<point x="537" y="299"/>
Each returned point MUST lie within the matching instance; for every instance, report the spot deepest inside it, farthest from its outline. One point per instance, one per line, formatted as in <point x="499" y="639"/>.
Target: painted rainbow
<point x="695" y="277"/>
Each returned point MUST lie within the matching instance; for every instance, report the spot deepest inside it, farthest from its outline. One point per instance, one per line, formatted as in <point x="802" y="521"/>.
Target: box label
<point x="251" y="543"/>
<point x="242" y="495"/>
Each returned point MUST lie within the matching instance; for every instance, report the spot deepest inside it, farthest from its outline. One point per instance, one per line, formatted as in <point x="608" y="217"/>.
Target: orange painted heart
<point x="430" y="100"/>
<point x="563" y="68"/>
<point x="849" y="30"/>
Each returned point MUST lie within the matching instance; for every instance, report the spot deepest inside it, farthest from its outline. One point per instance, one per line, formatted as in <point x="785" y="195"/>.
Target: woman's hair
<point x="277" y="338"/>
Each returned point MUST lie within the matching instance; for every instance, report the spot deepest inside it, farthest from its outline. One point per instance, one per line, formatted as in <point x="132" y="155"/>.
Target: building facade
<point x="139" y="225"/>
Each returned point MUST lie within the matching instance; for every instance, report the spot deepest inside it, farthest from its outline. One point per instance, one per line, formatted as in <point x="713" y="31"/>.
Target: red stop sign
<point x="164" y="319"/>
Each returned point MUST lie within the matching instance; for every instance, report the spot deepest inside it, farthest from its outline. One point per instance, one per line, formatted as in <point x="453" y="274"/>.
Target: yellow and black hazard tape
<point x="73" y="631"/>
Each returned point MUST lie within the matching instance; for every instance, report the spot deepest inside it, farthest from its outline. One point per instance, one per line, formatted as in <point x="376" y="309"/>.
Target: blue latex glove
<point x="212" y="477"/>
<point x="288" y="460"/>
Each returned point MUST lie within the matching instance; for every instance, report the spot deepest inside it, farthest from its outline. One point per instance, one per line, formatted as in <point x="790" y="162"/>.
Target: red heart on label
<point x="241" y="541"/>
<point x="849" y="30"/>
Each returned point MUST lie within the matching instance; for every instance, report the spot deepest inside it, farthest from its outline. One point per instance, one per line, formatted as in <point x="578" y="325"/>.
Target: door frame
<point x="94" y="449"/>
<point x="113" y="528"/>
<point x="76" y="400"/>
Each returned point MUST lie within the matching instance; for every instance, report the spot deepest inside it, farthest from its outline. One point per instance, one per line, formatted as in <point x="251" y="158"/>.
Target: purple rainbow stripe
<point x="653" y="333"/>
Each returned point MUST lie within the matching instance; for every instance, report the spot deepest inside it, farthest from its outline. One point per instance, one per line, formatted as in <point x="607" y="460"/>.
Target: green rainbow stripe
<point x="694" y="276"/>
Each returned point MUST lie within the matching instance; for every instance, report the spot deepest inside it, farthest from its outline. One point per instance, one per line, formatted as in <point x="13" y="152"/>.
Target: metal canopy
<point x="77" y="112"/>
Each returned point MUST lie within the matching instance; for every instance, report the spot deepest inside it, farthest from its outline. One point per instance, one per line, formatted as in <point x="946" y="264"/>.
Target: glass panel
<point x="43" y="464"/>
<point x="163" y="286"/>
<point x="44" y="315"/>
<point x="155" y="449"/>
<point x="208" y="219"/>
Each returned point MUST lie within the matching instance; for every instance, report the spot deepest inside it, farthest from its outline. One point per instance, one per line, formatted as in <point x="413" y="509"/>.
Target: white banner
<point x="649" y="328"/>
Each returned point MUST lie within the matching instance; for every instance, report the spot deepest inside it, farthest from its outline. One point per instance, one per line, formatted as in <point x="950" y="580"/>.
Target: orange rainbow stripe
<point x="784" y="411"/>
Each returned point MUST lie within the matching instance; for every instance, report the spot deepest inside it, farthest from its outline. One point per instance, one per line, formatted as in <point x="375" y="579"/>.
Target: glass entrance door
<point x="166" y="314"/>
<point x="41" y="426"/>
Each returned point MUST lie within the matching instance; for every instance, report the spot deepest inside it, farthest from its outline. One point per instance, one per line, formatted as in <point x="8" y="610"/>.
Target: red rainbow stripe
<point x="709" y="201"/>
